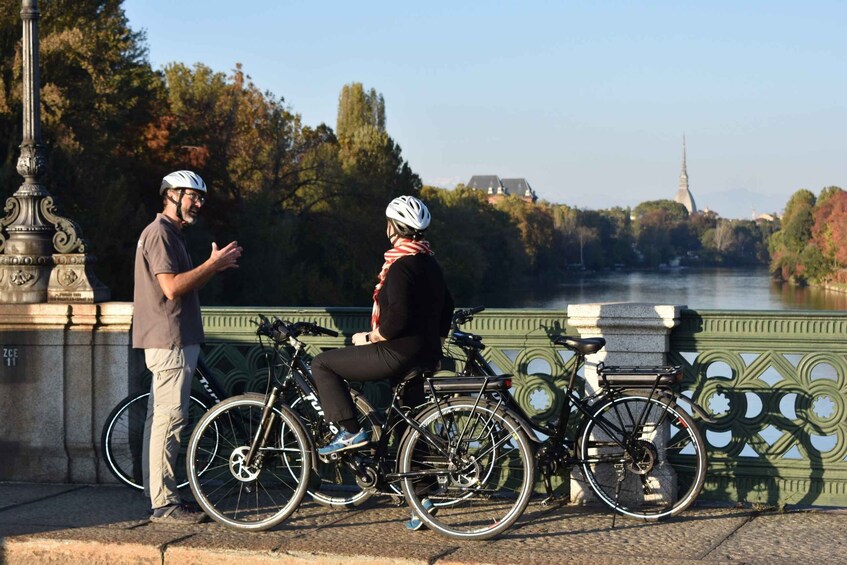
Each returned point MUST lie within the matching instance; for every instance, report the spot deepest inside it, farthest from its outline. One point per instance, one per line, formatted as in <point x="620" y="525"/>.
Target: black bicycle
<point x="123" y="432"/>
<point x="463" y="464"/>
<point x="639" y="451"/>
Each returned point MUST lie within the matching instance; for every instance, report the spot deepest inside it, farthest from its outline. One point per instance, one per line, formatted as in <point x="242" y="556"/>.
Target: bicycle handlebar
<point x="465" y="315"/>
<point x="280" y="330"/>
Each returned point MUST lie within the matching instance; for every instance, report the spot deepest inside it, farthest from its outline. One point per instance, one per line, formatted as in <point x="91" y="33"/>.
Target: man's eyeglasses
<point x="196" y="197"/>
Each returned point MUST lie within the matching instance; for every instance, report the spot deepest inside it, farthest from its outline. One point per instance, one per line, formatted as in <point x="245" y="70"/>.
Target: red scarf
<point x="402" y="247"/>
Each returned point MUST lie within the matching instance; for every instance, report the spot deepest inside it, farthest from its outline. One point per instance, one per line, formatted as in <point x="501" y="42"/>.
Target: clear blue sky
<point x="586" y="100"/>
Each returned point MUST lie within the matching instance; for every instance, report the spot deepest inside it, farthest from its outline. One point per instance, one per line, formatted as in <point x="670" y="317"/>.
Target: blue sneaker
<point x="415" y="523"/>
<point x="344" y="440"/>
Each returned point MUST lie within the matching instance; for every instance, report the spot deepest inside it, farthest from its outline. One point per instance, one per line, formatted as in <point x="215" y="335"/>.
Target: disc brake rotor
<point x="237" y="467"/>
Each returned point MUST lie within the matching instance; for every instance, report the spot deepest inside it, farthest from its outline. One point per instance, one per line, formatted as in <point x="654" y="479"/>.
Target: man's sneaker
<point x="177" y="514"/>
<point x="415" y="523"/>
<point x="344" y="440"/>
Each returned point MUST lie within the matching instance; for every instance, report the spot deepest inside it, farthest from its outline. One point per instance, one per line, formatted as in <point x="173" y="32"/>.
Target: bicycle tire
<point x="337" y="487"/>
<point x="497" y="476"/>
<point x="248" y="498"/>
<point x="122" y="438"/>
<point x="663" y="472"/>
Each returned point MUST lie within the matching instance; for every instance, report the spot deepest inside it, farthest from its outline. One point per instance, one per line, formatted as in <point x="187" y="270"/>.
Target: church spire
<point x="683" y="195"/>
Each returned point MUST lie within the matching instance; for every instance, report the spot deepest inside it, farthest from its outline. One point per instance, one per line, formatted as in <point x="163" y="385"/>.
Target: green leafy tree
<point x="535" y="224"/>
<point x="478" y="245"/>
<point x="794" y="235"/>
<point x="358" y="108"/>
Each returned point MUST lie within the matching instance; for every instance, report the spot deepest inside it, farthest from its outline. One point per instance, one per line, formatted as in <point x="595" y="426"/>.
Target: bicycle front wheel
<point x="254" y="495"/>
<point x="480" y="463"/>
<point x="642" y="457"/>
<point x="122" y="439"/>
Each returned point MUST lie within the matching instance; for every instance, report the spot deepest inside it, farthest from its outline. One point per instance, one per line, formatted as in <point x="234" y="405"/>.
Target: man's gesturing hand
<point x="227" y="257"/>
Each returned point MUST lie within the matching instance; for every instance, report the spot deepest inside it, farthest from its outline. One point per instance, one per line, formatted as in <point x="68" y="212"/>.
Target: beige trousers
<point x="167" y="414"/>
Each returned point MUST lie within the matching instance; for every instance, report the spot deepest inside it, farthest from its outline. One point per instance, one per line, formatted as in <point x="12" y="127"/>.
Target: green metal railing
<point x="776" y="382"/>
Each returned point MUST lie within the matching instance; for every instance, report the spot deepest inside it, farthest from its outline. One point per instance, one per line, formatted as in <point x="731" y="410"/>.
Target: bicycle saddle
<point x="584" y="345"/>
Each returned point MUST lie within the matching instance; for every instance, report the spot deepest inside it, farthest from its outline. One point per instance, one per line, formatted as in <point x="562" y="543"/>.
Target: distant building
<point x="498" y="189"/>
<point x="759" y="218"/>
<point x="683" y="195"/>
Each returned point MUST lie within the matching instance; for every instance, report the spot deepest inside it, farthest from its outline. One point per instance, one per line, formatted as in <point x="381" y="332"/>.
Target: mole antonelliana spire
<point x="683" y="195"/>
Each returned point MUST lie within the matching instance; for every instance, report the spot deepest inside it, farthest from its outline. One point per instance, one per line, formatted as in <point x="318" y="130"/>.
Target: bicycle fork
<point x="254" y="456"/>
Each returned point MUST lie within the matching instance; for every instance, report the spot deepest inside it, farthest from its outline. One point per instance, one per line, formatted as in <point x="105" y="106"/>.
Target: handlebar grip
<point x="475" y="310"/>
<point x="327" y="331"/>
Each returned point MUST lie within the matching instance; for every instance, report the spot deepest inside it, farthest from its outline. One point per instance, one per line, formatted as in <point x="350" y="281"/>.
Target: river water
<point x="699" y="289"/>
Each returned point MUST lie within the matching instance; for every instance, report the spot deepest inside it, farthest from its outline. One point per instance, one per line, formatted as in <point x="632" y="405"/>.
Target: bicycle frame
<point x="210" y="384"/>
<point x="554" y="451"/>
<point x="298" y="377"/>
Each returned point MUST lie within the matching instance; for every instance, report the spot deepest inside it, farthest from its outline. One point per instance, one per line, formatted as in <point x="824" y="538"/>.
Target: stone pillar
<point x="64" y="367"/>
<point x="635" y="333"/>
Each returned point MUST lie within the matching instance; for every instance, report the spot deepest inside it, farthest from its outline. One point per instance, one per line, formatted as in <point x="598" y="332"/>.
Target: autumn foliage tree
<point x="829" y="236"/>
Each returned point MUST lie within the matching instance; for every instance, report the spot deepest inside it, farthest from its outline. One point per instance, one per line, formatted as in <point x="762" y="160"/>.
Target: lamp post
<point x="42" y="255"/>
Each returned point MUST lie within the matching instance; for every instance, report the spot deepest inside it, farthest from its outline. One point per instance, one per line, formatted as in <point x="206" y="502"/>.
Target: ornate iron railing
<point x="517" y="343"/>
<point x="776" y="382"/>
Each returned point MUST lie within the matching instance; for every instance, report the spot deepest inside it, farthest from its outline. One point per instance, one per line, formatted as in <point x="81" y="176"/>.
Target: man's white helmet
<point x="409" y="215"/>
<point x="182" y="179"/>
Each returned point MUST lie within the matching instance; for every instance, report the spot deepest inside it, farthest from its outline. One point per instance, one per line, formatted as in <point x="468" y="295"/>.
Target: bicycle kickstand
<point x="621" y="475"/>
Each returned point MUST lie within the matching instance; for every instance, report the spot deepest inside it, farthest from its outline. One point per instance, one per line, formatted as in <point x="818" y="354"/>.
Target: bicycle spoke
<point x="248" y="495"/>
<point x="648" y="477"/>
<point x="482" y="486"/>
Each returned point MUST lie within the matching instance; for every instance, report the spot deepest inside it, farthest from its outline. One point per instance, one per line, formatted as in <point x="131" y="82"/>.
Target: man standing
<point x="168" y="327"/>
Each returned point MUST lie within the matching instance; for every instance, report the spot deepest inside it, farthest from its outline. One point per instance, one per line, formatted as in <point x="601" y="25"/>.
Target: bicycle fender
<point x="524" y="425"/>
<point x="530" y="433"/>
<point x="695" y="408"/>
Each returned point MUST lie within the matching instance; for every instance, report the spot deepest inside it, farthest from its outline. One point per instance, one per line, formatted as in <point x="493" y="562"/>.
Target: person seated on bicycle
<point x="411" y="313"/>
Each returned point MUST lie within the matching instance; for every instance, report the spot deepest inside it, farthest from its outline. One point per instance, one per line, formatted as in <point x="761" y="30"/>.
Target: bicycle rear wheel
<point x="121" y="441"/>
<point x="483" y="465"/>
<point x="661" y="470"/>
<point x="256" y="496"/>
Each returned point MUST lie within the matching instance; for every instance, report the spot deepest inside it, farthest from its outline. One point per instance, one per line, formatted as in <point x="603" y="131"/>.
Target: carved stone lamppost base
<point x="24" y="278"/>
<point x="73" y="280"/>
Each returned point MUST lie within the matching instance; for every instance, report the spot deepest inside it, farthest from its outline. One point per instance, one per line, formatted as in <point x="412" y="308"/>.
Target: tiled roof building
<point x="497" y="189"/>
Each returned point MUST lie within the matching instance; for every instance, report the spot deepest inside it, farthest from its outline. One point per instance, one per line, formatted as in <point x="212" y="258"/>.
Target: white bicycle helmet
<point x="409" y="215"/>
<point x="182" y="179"/>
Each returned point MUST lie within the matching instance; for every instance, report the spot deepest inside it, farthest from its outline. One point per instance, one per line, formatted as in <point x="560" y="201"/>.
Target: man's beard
<point x="189" y="215"/>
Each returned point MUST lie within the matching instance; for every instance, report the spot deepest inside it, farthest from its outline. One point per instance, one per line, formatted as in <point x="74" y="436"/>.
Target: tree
<point x="829" y="238"/>
<point x="796" y="231"/>
<point x="536" y="228"/>
<point x="672" y="211"/>
<point x="478" y="245"/>
<point x="98" y="96"/>
<point x="358" y="109"/>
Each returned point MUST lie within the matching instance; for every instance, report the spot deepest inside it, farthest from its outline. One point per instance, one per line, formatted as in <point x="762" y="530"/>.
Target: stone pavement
<point x="105" y="524"/>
